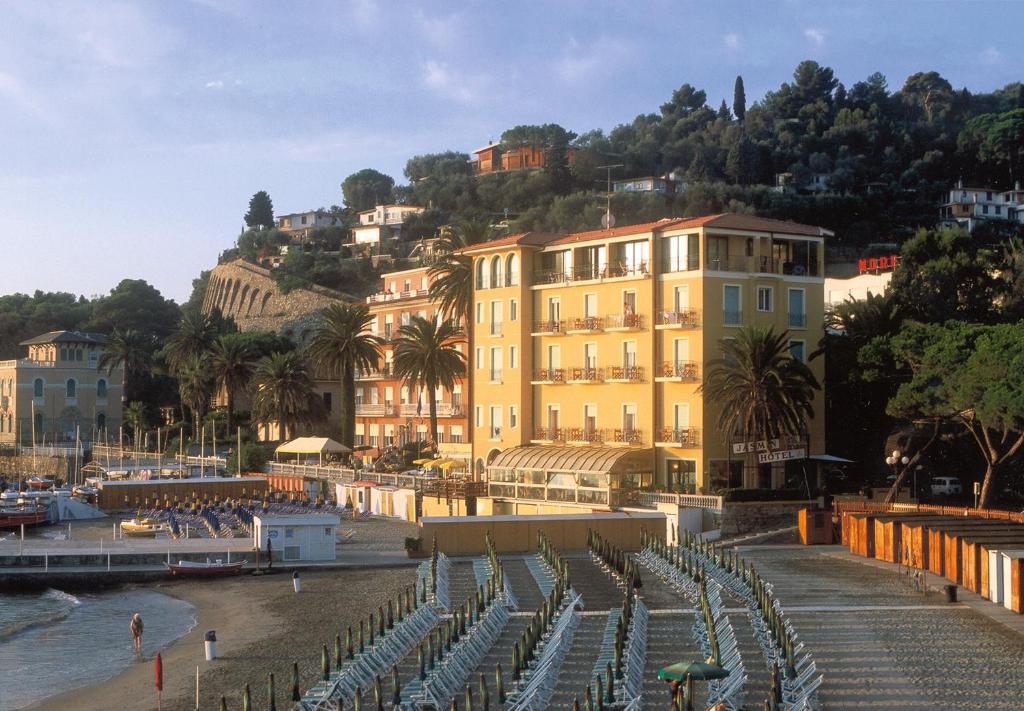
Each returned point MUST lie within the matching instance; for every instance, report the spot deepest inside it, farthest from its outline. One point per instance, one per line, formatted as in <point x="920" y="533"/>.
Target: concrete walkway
<point x="881" y="644"/>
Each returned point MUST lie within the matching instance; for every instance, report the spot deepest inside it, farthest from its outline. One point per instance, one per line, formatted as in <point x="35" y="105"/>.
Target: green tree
<point x="131" y="351"/>
<point x="195" y="387"/>
<point x="739" y="100"/>
<point x="366" y="188"/>
<point x="427" y="358"/>
<point x="760" y="389"/>
<point x="970" y="375"/>
<point x="134" y="305"/>
<point x="136" y="417"/>
<point x="232" y="366"/>
<point x="194" y="336"/>
<point x="452" y="273"/>
<point x="1004" y="143"/>
<point x="741" y="163"/>
<point x="261" y="211"/>
<point x="284" y="393"/>
<point x="341" y="345"/>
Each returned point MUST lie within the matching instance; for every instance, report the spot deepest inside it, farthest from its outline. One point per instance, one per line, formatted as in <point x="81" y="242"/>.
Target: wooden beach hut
<point x="974" y="565"/>
<point x="914" y="538"/>
<point x="1013" y="567"/>
<point x="953" y="551"/>
<point x="889" y="534"/>
<point x="861" y="533"/>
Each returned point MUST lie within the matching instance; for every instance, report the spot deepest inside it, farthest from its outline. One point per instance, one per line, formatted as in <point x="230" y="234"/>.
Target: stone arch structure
<point x="252" y="300"/>
<point x="263" y="306"/>
<point x="231" y="299"/>
<point x="241" y="300"/>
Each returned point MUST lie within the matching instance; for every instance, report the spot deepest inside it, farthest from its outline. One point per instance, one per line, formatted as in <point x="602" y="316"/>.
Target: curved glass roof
<point x="598" y="460"/>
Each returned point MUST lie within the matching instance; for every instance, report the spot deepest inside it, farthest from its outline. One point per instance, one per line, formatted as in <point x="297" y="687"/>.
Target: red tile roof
<point x="528" y="238"/>
<point x="616" y="231"/>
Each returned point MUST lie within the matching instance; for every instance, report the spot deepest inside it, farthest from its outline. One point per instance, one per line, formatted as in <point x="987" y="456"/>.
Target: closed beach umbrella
<point x="296" y="696"/>
<point x="246" y="699"/>
<point x="396" y="687"/>
<point x="158" y="678"/>
<point x="271" y="693"/>
<point x="325" y="663"/>
<point x="223" y="704"/>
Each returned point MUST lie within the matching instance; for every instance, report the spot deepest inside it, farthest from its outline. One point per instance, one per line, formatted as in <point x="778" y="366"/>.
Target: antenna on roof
<point x="608" y="219"/>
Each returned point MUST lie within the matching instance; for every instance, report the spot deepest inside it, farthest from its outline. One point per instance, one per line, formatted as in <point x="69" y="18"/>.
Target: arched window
<point x="512" y="270"/>
<point x="101" y="388"/>
<point x="481" y="273"/>
<point x="497" y="272"/>
<point x="71" y="388"/>
<point x="37" y="388"/>
<point x="101" y="421"/>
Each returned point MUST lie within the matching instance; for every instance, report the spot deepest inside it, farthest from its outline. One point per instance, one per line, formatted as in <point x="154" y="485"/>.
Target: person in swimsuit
<point x="136" y="627"/>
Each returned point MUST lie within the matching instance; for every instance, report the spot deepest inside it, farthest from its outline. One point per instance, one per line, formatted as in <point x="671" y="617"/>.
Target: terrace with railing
<point x="586" y="375"/>
<point x="548" y="434"/>
<point x="385" y="371"/>
<point x="624" y="322"/>
<point x="366" y="409"/>
<point x="549" y="376"/>
<point x="633" y="437"/>
<point x="591" y="272"/>
<point x="678" y="437"/>
<point x="551" y="327"/>
<point x="444" y="409"/>
<point x="682" y="318"/>
<point x="585" y="435"/>
<point x="678" y="370"/>
<point x="625" y="374"/>
<point x="387" y="296"/>
<point x="585" y="324"/>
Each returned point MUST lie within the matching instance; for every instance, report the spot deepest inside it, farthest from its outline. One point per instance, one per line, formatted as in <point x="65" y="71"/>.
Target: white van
<point x="945" y="485"/>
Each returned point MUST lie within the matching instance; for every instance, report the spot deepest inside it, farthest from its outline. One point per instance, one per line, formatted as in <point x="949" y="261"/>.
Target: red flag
<point x="158" y="670"/>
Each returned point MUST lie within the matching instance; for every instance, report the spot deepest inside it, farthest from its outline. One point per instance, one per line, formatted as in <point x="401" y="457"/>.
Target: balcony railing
<point x="385" y="371"/>
<point x="586" y="324"/>
<point x="548" y="434"/>
<point x="626" y="373"/>
<point x="684" y="437"/>
<point x="590" y="272"/>
<point x="549" y="327"/>
<point x="586" y="375"/>
<point x="397" y="295"/>
<point x="683" y="318"/>
<point x="374" y="409"/>
<point x="585" y="435"/>
<point x="797" y="320"/>
<point x="444" y="409"/>
<point x="632" y="437"/>
<point x="550" y="375"/>
<point x="761" y="265"/>
<point x="685" y="369"/>
<point x="729" y="264"/>
<point x="624" y="321"/>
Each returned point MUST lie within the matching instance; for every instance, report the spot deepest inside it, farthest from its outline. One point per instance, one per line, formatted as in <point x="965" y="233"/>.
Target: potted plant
<point x="414" y="547"/>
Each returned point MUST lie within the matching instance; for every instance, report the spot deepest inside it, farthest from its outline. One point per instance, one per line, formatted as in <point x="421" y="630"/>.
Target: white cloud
<point x="580" y="63"/>
<point x="215" y="84"/>
<point x="816" y="36"/>
<point x="438" y="77"/>
<point x="990" y="55"/>
<point x="732" y="41"/>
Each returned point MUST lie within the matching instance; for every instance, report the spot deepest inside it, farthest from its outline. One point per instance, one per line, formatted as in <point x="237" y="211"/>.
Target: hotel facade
<point x="589" y="350"/>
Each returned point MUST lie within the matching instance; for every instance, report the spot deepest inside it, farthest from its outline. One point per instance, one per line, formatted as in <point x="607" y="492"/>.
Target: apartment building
<point x="382" y="223"/>
<point x="388" y="411"/>
<point x="58" y="391"/>
<point x="299" y="224"/>
<point x="589" y="351"/>
<point x="969" y="207"/>
<point x="496" y="158"/>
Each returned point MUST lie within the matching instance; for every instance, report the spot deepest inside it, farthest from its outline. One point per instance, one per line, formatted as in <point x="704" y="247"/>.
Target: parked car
<point x="946" y="485"/>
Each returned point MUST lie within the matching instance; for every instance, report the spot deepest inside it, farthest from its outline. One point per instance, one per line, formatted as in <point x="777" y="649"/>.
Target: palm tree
<point x="452" y="285"/>
<point x="426" y="357"/>
<point x="135" y="417"/>
<point x="232" y="366"/>
<point x="195" y="335"/>
<point x="342" y="344"/>
<point x="195" y="386"/>
<point x="759" y="388"/>
<point x="130" y="350"/>
<point x="284" y="392"/>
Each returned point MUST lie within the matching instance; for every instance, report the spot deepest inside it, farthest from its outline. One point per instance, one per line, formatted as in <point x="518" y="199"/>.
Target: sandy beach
<point x="262" y="627"/>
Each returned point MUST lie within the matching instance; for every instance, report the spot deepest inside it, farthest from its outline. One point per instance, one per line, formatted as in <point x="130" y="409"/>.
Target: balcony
<point x="678" y="371"/>
<point x="365" y="409"/>
<point x="586" y="324"/>
<point x="548" y="328"/>
<point x="625" y="374"/>
<point x="683" y="318"/>
<point x="549" y="376"/>
<point x="586" y="375"/>
<point x="585" y="435"/>
<point x="444" y="409"/>
<point x="386" y="371"/>
<point x="761" y="265"/>
<point x="797" y="320"/>
<point x="590" y="272"/>
<point x="631" y="437"/>
<point x="624" y="322"/>
<point x="546" y="435"/>
<point x="397" y="296"/>
<point x="683" y="437"/>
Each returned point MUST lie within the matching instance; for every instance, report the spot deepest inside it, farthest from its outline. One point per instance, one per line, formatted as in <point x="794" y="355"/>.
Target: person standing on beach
<point x="136" y="627"/>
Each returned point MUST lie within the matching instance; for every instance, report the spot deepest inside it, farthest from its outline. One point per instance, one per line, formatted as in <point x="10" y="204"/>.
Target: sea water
<point x="54" y="641"/>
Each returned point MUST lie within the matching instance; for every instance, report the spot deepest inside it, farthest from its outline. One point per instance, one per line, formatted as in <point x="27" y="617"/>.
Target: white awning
<point x="312" y="445"/>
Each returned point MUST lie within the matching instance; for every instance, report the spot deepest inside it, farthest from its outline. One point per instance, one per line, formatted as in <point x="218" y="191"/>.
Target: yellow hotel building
<point x="588" y="351"/>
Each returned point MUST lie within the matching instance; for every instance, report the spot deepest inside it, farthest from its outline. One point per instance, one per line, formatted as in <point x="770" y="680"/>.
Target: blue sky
<point x="133" y="133"/>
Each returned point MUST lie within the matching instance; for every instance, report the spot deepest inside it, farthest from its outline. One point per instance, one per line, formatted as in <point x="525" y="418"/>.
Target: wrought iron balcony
<point x="679" y="369"/>
<point x="549" y="328"/>
<point x="624" y="322"/>
<point x="625" y="374"/>
<point x="586" y="375"/>
<point x="684" y="437"/>
<point x="585" y="435"/>
<point x="632" y="437"/>
<point x="683" y="318"/>
<point x="548" y="434"/>
<point x="585" y="324"/>
<point x="554" y="376"/>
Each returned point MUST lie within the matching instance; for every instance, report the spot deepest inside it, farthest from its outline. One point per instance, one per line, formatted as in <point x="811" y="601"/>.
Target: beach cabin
<point x="297" y="538"/>
<point x="1012" y="561"/>
<point x="357" y="495"/>
<point x="394" y="502"/>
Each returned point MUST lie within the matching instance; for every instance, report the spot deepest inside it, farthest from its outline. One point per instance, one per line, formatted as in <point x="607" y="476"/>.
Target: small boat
<point x="15" y="517"/>
<point x="143" y="528"/>
<point x="39" y="483"/>
<point x="85" y="491"/>
<point x="188" y="568"/>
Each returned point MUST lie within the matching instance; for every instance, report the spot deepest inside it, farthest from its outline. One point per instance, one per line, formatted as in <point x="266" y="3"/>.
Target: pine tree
<point x="261" y="211"/>
<point x="739" y="100"/>
<point x="723" y="111"/>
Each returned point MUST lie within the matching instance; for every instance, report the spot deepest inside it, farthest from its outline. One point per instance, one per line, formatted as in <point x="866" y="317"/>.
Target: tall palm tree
<point x="759" y="388"/>
<point x="130" y="350"/>
<point x="232" y="366"/>
<point x="452" y="274"/>
<point x="426" y="357"/>
<point x="342" y="344"/>
<point x="134" y="416"/>
<point x="195" y="335"/>
<point x="284" y="392"/>
<point x="195" y="386"/>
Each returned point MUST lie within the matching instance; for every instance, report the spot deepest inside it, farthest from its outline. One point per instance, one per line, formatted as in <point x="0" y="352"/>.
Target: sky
<point x="132" y="134"/>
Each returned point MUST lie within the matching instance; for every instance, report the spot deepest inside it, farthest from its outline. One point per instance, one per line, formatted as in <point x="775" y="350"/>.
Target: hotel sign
<point x="765" y="445"/>
<point x="782" y="456"/>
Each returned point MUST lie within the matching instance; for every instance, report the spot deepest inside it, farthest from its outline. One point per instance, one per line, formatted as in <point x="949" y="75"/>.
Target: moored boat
<point x="143" y="528"/>
<point x="39" y="483"/>
<point x="14" y="517"/>
<point x="208" y="569"/>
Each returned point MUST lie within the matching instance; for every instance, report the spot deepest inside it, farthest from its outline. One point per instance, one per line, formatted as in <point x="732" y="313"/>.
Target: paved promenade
<point x="883" y="645"/>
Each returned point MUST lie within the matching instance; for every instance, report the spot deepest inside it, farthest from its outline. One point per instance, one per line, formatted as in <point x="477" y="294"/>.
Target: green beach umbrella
<point x="700" y="671"/>
<point x="357" y="701"/>
<point x="599" y="692"/>
<point x="396" y="687"/>
<point x="610" y="676"/>
<point x="349" y="649"/>
<point x="485" y="697"/>
<point x="325" y="663"/>
<point x="469" y="698"/>
<point x="272" y="702"/>
<point x="223" y="704"/>
<point x="499" y="680"/>
<point x="246" y="699"/>
<point x="378" y="693"/>
<point x="337" y="651"/>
